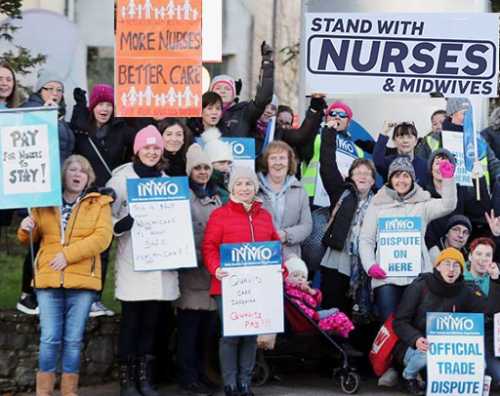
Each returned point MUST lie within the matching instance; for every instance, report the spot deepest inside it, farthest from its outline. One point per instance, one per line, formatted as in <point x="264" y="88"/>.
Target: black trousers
<point x="334" y="287"/>
<point x="138" y="328"/>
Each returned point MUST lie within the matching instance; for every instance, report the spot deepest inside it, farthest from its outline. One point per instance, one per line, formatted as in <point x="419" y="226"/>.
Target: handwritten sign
<point x="454" y="142"/>
<point x="162" y="235"/>
<point x="399" y="241"/>
<point x="401" y="53"/>
<point x="158" y="58"/>
<point x="30" y="164"/>
<point x="243" y="151"/>
<point x="252" y="294"/>
<point x="455" y="359"/>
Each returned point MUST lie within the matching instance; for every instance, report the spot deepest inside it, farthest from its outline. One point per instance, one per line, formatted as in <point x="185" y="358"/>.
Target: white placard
<point x="211" y="27"/>
<point x="454" y="142"/>
<point x="162" y="235"/>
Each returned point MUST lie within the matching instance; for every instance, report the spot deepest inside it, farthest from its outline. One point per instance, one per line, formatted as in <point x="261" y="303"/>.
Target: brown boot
<point x="45" y="383"/>
<point x="69" y="384"/>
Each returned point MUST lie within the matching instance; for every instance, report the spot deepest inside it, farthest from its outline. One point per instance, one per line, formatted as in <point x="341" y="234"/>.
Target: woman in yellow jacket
<point x="67" y="270"/>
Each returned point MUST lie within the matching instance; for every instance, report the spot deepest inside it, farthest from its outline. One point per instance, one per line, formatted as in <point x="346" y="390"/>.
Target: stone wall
<point x="19" y="338"/>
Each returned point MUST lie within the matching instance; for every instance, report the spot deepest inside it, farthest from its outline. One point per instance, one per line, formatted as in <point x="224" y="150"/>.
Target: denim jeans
<point x="387" y="299"/>
<point x="236" y="355"/>
<point x="414" y="361"/>
<point x="63" y="315"/>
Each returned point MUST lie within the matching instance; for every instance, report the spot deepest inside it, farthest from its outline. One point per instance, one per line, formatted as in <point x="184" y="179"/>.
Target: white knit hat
<point x="216" y="149"/>
<point x="296" y="264"/>
<point x="243" y="171"/>
<point x="195" y="156"/>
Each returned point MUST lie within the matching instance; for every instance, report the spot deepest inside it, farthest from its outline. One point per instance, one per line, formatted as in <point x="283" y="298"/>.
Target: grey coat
<point x="195" y="283"/>
<point x="297" y="219"/>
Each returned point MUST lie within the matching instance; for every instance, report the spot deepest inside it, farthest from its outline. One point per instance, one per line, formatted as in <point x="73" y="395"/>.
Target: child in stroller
<point x="308" y="300"/>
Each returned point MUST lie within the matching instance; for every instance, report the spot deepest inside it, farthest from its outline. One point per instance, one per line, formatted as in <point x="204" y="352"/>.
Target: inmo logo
<point x="399" y="224"/>
<point x="452" y="323"/>
<point x="247" y="253"/>
<point x="238" y="148"/>
<point x="152" y="188"/>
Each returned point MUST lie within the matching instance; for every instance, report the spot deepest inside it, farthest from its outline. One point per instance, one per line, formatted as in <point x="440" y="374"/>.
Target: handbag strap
<point x="99" y="155"/>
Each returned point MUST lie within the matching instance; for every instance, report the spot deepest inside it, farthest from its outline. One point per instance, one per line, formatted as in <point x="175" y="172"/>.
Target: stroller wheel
<point x="261" y="371"/>
<point x="349" y="382"/>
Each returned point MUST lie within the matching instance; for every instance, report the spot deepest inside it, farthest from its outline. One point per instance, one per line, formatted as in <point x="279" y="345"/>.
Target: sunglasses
<point x="340" y="114"/>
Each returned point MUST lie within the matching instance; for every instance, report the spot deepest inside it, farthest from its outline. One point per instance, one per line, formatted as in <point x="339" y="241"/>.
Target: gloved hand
<point x="318" y="103"/>
<point x="107" y="191"/>
<point x="477" y="170"/>
<point x="79" y="95"/>
<point x="267" y="52"/>
<point x="446" y="169"/>
<point x="124" y="224"/>
<point x="376" y="272"/>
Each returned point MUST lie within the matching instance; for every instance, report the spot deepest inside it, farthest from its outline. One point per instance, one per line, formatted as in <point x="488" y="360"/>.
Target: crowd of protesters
<point x="232" y="204"/>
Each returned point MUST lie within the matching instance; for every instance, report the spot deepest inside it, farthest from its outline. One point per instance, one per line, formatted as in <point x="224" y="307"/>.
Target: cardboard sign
<point x="402" y="53"/>
<point x="158" y="53"/>
<point x="252" y="294"/>
<point x="30" y="171"/>
<point x="162" y="235"/>
<point x="454" y="142"/>
<point x="455" y="359"/>
<point x="243" y="151"/>
<point x="400" y="245"/>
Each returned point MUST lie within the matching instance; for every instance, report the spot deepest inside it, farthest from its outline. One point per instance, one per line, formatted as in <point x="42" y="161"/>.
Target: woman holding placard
<point x="68" y="272"/>
<point x="195" y="307"/>
<point x="140" y="292"/>
<point x="242" y="219"/>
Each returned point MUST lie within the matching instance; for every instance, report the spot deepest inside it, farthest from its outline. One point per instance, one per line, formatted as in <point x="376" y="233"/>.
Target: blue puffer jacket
<point x="66" y="135"/>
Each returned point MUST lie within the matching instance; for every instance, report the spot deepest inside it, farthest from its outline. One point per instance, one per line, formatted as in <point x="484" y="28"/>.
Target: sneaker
<point x="196" y="389"/>
<point x="98" y="309"/>
<point x="413" y="387"/>
<point x="28" y="304"/>
<point x="389" y="378"/>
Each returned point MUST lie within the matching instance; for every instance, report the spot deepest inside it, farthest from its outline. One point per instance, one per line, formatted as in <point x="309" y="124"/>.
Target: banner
<point x="455" y="359"/>
<point x="212" y="31"/>
<point x="402" y="53"/>
<point x="158" y="53"/>
<point x="252" y="293"/>
<point x="454" y="142"/>
<point x="243" y="151"/>
<point x="162" y="235"/>
<point x="400" y="245"/>
<point x="30" y="170"/>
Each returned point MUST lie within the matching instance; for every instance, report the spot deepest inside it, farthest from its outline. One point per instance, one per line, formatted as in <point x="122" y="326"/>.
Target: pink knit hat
<point x="147" y="136"/>
<point x="340" y="105"/>
<point x="226" y="79"/>
<point x="101" y="93"/>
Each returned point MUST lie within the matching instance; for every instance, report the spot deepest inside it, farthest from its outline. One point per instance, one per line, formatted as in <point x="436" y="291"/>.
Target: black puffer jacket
<point x="430" y="293"/>
<point x="66" y="135"/>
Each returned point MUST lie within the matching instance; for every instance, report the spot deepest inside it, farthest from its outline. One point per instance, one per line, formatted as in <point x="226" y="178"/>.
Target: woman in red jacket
<point x="241" y="219"/>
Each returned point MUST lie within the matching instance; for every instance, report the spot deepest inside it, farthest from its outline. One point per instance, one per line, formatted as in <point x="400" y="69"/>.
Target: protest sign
<point x="243" y="151"/>
<point x="158" y="53"/>
<point x="346" y="154"/>
<point x="399" y="241"/>
<point x="455" y="358"/>
<point x="397" y="53"/>
<point x="30" y="171"/>
<point x="454" y="142"/>
<point x="496" y="334"/>
<point x="212" y="31"/>
<point x="162" y="235"/>
<point x="252" y="293"/>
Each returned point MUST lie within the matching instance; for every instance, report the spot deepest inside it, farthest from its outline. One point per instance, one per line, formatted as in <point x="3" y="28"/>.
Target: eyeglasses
<point x="53" y="90"/>
<point x="340" y="114"/>
<point x="451" y="266"/>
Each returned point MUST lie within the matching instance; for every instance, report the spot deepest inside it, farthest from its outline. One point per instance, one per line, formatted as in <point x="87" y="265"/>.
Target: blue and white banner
<point x="400" y="245"/>
<point x="252" y="293"/>
<point x="455" y="358"/>
<point x="162" y="235"/>
<point x="243" y="151"/>
<point x="454" y="142"/>
<point x="30" y="170"/>
<point x="401" y="53"/>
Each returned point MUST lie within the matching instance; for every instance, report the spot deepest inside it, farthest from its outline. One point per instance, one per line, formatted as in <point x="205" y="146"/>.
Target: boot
<point x="128" y="378"/>
<point x="45" y="383"/>
<point x="245" y="390"/>
<point x="144" y="371"/>
<point x="231" y="391"/>
<point x="69" y="384"/>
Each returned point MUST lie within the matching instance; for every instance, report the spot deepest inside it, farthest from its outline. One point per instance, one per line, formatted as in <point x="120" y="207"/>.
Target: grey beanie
<point x="243" y="171"/>
<point x="458" y="219"/>
<point x="442" y="153"/>
<point x="45" y="76"/>
<point x="457" y="104"/>
<point x="401" y="163"/>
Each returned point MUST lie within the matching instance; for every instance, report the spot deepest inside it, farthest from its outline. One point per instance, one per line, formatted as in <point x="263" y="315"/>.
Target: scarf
<point x="203" y="191"/>
<point x="146" y="171"/>
<point x="246" y="206"/>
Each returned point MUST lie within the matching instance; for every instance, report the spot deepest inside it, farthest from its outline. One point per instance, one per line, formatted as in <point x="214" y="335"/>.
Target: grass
<point x="11" y="268"/>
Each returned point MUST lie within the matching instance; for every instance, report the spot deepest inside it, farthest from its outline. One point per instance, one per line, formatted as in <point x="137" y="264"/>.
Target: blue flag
<point x="469" y="153"/>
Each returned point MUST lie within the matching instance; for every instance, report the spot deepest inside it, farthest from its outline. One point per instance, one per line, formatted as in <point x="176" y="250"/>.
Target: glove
<point x="267" y="52"/>
<point x="446" y="169"/>
<point x="238" y="84"/>
<point x="376" y="272"/>
<point x="318" y="103"/>
<point x="477" y="170"/>
<point x="79" y="95"/>
<point x="124" y="224"/>
<point x="109" y="192"/>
